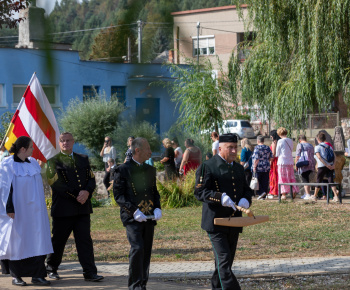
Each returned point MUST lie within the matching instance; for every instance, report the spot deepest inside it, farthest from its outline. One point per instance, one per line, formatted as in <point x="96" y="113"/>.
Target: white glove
<point x="157" y="214"/>
<point x="244" y="203"/>
<point x="139" y="216"/>
<point x="227" y="201"/>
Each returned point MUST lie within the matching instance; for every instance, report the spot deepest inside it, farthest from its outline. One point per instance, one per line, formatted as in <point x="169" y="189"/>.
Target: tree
<point x="202" y="97"/>
<point x="8" y="9"/>
<point x="298" y="62"/>
<point x="131" y="127"/>
<point x="158" y="29"/>
<point x="5" y="121"/>
<point x="111" y="44"/>
<point x="91" y="120"/>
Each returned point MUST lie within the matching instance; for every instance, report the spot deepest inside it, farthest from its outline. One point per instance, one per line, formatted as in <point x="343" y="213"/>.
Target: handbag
<point x="254" y="183"/>
<point x="302" y="162"/>
<point x="246" y="165"/>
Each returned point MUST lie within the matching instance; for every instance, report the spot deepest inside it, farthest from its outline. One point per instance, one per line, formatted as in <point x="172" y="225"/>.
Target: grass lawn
<point x="295" y="229"/>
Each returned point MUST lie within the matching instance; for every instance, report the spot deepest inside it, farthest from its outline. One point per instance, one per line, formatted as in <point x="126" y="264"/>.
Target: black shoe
<point x="41" y="282"/>
<point x="93" y="278"/>
<point x="53" y="275"/>
<point x="18" y="281"/>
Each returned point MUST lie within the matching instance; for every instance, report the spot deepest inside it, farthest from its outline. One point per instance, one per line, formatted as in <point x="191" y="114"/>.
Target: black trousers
<point x="140" y="237"/>
<point x="62" y="227"/>
<point x="106" y="180"/>
<point x="169" y="172"/>
<point x="324" y="172"/>
<point x="5" y="268"/>
<point x="224" y="247"/>
<point x="30" y="267"/>
<point x="263" y="178"/>
<point x="248" y="176"/>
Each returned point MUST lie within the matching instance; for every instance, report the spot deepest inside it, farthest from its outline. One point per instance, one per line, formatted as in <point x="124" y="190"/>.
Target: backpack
<point x="329" y="154"/>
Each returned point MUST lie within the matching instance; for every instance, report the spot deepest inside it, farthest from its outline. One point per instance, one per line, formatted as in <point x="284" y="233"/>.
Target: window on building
<point x="50" y="91"/>
<point x="118" y="92"/>
<point x="206" y="45"/>
<point x="90" y="91"/>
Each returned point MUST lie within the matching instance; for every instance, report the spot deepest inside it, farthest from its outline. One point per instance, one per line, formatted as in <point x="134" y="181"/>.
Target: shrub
<point x="95" y="202"/>
<point x="159" y="166"/>
<point x="175" y="194"/>
<point x="131" y="127"/>
<point x="91" y="120"/>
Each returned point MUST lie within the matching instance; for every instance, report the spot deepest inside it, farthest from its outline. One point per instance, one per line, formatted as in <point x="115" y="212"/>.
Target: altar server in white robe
<point x="25" y="237"/>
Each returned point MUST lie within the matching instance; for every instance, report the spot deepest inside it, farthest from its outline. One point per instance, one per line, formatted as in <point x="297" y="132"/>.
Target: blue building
<point x="68" y="77"/>
<point x="64" y="76"/>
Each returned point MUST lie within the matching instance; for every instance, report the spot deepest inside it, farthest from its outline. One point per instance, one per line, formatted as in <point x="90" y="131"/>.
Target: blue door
<point x="148" y="109"/>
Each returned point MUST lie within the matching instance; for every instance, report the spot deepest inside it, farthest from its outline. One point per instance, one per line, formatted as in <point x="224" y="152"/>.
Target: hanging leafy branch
<point x="299" y="60"/>
<point x="202" y="97"/>
<point x="8" y="8"/>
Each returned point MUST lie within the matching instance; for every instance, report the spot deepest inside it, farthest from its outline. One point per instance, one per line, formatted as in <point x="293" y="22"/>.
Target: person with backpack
<point x="324" y="156"/>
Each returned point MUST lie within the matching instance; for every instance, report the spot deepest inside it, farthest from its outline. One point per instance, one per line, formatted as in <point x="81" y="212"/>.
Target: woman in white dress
<point x="25" y="237"/>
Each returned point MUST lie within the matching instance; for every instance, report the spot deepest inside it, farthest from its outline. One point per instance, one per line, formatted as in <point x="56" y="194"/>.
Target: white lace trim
<point x="23" y="168"/>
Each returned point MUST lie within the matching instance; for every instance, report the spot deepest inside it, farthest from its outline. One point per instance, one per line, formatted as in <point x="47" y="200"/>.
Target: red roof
<point x="207" y="9"/>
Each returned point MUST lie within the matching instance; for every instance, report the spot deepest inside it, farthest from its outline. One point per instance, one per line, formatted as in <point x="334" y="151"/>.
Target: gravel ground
<point x="340" y="281"/>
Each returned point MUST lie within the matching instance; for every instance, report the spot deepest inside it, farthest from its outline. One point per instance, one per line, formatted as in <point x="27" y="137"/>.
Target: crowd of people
<point x="275" y="165"/>
<point x="28" y="250"/>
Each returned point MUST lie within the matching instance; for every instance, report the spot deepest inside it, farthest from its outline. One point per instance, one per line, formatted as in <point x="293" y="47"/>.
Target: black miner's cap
<point x="227" y="138"/>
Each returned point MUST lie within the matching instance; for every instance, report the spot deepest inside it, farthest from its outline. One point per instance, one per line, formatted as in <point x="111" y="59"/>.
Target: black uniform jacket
<point x="213" y="178"/>
<point x="67" y="177"/>
<point x="134" y="187"/>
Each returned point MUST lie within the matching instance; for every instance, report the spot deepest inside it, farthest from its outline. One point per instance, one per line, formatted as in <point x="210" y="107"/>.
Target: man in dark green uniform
<point x="220" y="185"/>
<point x="135" y="190"/>
<point x="72" y="182"/>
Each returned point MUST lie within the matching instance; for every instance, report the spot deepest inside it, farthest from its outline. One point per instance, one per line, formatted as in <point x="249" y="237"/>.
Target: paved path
<point x="243" y="268"/>
<point x="116" y="273"/>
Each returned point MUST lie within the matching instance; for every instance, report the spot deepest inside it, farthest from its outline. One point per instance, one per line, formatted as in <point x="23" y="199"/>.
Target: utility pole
<point x="198" y="26"/>
<point x="139" y="26"/>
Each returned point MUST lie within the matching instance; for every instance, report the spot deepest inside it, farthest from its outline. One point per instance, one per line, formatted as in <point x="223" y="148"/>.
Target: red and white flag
<point x="34" y="118"/>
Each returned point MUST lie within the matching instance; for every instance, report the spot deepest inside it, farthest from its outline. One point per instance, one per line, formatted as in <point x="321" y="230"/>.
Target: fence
<point x="313" y="122"/>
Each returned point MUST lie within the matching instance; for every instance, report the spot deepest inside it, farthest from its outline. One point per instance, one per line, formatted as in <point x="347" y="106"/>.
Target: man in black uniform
<point x="220" y="185"/>
<point x="72" y="182"/>
<point x="135" y="191"/>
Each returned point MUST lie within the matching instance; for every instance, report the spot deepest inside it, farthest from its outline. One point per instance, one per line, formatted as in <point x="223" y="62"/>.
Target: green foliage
<point x="200" y="96"/>
<point x="176" y="194"/>
<point x="132" y="127"/>
<point x="95" y="202"/>
<point x="73" y="15"/>
<point x="158" y="30"/>
<point x="113" y="202"/>
<point x="159" y="166"/>
<point x="299" y="60"/>
<point x="240" y="116"/>
<point x="91" y="120"/>
<point x="5" y="120"/>
<point x="48" y="201"/>
<point x="111" y="44"/>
